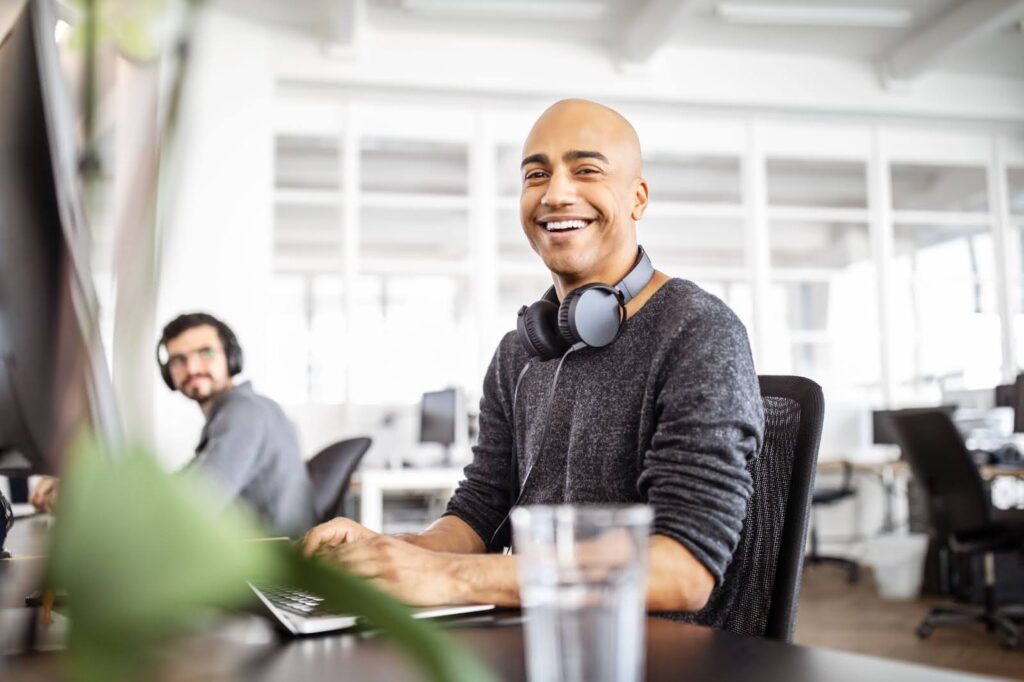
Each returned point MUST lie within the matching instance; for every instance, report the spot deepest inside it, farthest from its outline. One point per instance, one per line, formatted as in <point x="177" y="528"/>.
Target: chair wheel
<point x="1010" y="643"/>
<point x="925" y="630"/>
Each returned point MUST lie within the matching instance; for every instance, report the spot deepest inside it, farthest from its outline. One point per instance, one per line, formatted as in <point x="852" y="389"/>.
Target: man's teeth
<point x="565" y="224"/>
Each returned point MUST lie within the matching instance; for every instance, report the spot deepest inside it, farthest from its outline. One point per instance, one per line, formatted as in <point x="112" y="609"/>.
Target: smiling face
<point x="198" y="365"/>
<point x="582" y="193"/>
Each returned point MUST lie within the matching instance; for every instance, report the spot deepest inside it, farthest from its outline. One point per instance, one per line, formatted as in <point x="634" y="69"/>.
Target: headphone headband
<point x="637" y="278"/>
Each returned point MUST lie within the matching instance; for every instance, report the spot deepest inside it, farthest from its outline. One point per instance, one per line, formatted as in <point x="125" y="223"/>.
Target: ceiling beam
<point x="652" y="27"/>
<point x="965" y="23"/>
<point x="345" y="19"/>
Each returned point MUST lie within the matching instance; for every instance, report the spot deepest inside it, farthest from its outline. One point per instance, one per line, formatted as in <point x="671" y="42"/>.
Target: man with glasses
<point x="247" y="447"/>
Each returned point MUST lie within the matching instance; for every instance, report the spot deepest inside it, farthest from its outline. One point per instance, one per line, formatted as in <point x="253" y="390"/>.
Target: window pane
<point x="819" y="244"/>
<point x="1016" y="282"/>
<point x="699" y="179"/>
<point x="822" y="311"/>
<point x="328" y="352"/>
<point x="946" y="325"/>
<point x="831" y="184"/>
<point x="676" y="244"/>
<point x="938" y="188"/>
<point x="424" y="234"/>
<point x="289" y="343"/>
<point x="506" y="171"/>
<point x="307" y="238"/>
<point x="1015" y="183"/>
<point x="307" y="162"/>
<point x="416" y="166"/>
<point x="413" y="334"/>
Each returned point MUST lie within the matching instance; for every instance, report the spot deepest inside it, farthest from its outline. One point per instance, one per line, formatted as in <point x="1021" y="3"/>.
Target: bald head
<point x="590" y="121"/>
<point x="583" y="192"/>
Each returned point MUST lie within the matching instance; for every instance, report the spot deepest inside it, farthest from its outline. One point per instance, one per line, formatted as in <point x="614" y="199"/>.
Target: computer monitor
<point x="53" y="376"/>
<point x="882" y="432"/>
<point x="441" y="414"/>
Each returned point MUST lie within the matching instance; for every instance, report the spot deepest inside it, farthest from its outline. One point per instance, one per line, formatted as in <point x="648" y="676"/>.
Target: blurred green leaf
<point x="143" y="556"/>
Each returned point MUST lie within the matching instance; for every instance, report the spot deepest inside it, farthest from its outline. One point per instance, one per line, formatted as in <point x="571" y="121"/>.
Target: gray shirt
<point x="669" y="415"/>
<point x="249" y="449"/>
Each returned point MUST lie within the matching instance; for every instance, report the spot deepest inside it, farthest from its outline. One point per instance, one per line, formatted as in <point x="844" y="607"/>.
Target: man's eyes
<point x="540" y="175"/>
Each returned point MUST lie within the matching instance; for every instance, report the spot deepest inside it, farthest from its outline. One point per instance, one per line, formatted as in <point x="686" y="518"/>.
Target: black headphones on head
<point x="182" y="323"/>
<point x="591" y="315"/>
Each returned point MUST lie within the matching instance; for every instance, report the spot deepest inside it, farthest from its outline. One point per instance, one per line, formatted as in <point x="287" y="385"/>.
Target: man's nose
<point x="561" y="190"/>
<point x="193" y="363"/>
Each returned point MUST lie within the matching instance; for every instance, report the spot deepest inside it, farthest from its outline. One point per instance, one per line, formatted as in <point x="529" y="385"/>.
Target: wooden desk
<point x="244" y="649"/>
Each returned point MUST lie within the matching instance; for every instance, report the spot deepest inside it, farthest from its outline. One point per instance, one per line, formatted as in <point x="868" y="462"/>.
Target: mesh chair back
<point x="942" y="465"/>
<point x="759" y="592"/>
<point x="330" y="471"/>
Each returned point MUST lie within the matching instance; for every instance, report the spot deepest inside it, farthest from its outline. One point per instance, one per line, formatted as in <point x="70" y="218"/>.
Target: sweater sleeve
<point x="482" y="499"/>
<point x="710" y="422"/>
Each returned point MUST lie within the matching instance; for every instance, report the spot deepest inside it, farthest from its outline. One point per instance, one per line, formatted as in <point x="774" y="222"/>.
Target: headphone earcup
<point x="591" y="314"/>
<point x="234" y="357"/>
<point x="537" y="328"/>
<point x="165" y="373"/>
<point x="565" y="323"/>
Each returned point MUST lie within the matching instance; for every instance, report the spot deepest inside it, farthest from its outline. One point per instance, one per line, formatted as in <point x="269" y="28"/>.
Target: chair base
<point x="852" y="567"/>
<point x="1002" y="620"/>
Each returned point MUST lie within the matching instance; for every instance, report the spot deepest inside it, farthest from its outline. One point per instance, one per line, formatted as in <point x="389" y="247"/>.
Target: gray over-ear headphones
<point x="591" y="315"/>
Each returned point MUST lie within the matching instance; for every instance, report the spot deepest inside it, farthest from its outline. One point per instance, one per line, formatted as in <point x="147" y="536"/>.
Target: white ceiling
<point x="967" y="36"/>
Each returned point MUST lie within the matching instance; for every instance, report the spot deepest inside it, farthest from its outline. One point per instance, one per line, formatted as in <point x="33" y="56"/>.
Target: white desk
<point x="373" y="483"/>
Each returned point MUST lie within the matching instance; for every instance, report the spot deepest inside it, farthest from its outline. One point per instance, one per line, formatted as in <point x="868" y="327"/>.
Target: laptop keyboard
<point x="296" y="601"/>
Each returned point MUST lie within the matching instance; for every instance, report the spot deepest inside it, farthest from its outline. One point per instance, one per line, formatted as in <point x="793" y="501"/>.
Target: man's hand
<point x="331" y="534"/>
<point x="44" y="496"/>
<point x="411" y="574"/>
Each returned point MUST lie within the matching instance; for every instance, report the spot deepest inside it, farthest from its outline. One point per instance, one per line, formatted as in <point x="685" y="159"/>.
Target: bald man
<point x="667" y="414"/>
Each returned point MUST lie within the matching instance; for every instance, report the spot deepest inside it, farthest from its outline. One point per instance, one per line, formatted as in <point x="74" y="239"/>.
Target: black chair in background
<point x="824" y="496"/>
<point x="960" y="517"/>
<point x="330" y="471"/>
<point x="769" y="557"/>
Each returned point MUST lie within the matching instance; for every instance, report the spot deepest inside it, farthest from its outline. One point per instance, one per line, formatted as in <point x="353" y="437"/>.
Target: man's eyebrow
<point x="577" y="154"/>
<point x="534" y="158"/>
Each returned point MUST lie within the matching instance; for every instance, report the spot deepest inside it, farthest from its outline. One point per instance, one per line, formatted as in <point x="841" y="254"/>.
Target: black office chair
<point x="330" y="471"/>
<point x="824" y="496"/>
<point x="769" y="557"/>
<point x="960" y="516"/>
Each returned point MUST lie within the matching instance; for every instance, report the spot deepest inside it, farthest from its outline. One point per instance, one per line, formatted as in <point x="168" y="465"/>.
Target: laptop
<point x="302" y="613"/>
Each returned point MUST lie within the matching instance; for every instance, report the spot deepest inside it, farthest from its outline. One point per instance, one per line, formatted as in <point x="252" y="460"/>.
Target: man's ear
<point x="641" y="194"/>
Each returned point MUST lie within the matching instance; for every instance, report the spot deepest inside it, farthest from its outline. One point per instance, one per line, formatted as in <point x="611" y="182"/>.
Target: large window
<point x="946" y="326"/>
<point x="946" y="330"/>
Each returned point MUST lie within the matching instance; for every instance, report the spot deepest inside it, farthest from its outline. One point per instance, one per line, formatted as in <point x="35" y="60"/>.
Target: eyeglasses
<point x="179" y="361"/>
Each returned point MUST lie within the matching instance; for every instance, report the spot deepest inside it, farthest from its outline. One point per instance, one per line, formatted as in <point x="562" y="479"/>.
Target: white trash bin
<point x="898" y="564"/>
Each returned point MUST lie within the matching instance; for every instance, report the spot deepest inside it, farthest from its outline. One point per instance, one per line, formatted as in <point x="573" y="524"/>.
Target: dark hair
<point x="183" y="323"/>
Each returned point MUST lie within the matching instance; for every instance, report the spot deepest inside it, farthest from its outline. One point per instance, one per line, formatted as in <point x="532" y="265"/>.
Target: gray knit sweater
<point x="669" y="415"/>
<point x="249" y="449"/>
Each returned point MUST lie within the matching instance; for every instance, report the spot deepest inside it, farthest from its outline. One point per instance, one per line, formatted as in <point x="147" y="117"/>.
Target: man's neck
<point x="207" y="405"/>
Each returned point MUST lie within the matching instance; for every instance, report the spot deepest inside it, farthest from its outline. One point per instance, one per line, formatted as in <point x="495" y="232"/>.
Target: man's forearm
<point x="447" y="534"/>
<point x="484" y="579"/>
